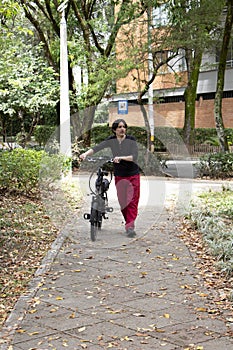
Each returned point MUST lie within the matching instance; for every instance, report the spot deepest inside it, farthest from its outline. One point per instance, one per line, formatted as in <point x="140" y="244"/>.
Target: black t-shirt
<point x="128" y="147"/>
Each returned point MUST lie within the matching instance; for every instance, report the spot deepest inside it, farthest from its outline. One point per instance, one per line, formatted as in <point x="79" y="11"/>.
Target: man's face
<point x="121" y="130"/>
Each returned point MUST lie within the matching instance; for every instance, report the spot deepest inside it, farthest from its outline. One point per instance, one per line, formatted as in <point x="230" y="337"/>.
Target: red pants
<point x="128" y="193"/>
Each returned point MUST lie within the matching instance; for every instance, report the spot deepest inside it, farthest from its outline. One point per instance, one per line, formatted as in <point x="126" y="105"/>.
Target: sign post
<point x="123" y="107"/>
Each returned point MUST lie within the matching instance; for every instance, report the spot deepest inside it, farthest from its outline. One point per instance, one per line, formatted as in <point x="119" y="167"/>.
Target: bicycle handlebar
<point x="96" y="159"/>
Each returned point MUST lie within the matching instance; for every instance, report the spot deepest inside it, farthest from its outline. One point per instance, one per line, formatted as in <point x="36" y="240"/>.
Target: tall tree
<point x="221" y="77"/>
<point x="193" y="24"/>
<point x="92" y="31"/>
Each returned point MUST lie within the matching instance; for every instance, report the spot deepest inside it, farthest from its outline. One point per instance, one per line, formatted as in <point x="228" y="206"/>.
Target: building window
<point x="159" y="16"/>
<point x="178" y="63"/>
<point x="229" y="60"/>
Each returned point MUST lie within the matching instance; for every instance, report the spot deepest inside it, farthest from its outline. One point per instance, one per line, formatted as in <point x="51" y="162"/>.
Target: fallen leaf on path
<point x="126" y="338"/>
<point x="20" y="330"/>
<point x="138" y="334"/>
<point x="114" y="311"/>
<point x="144" y="273"/>
<point x="82" y="329"/>
<point x="53" y="310"/>
<point x="33" y="333"/>
<point x="159" y="330"/>
<point x="32" y="311"/>
<point x="201" y="309"/>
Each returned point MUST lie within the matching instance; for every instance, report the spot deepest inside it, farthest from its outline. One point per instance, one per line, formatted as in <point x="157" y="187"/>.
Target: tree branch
<point x="42" y="37"/>
<point x="155" y="71"/>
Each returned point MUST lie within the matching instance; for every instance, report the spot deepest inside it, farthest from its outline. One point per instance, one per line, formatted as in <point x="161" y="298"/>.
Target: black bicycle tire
<point x="93" y="231"/>
<point x="94" y="224"/>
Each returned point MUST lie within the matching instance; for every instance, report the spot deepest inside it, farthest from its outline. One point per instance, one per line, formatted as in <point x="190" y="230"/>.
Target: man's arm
<point x="126" y="158"/>
<point x="83" y="156"/>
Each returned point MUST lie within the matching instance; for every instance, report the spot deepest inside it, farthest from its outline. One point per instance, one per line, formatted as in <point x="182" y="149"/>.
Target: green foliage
<point x="209" y="135"/>
<point x="24" y="170"/>
<point x="99" y="133"/>
<point x="91" y="37"/>
<point x="217" y="165"/>
<point x="211" y="214"/>
<point x="29" y="88"/>
<point x="19" y="170"/>
<point x="52" y="168"/>
<point x="193" y="26"/>
<point x="102" y="113"/>
<point x="28" y="85"/>
<point x="139" y="133"/>
<point x="193" y="21"/>
<point x="22" y="138"/>
<point x="42" y="133"/>
<point x="8" y="9"/>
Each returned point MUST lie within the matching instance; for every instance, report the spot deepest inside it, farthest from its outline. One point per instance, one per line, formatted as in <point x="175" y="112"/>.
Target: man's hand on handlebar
<point x="116" y="159"/>
<point x="84" y="155"/>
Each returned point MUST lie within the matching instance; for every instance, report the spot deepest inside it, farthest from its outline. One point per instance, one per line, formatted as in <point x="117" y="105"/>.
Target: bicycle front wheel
<point x="94" y="224"/>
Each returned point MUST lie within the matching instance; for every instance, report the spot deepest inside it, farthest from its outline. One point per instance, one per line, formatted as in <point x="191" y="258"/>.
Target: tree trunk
<point x="88" y="119"/>
<point x="193" y="64"/>
<point x="219" y="121"/>
<point x="144" y="114"/>
<point x="220" y="79"/>
<point x="3" y="128"/>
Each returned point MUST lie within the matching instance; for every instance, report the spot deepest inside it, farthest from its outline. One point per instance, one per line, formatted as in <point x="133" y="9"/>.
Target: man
<point x="126" y="171"/>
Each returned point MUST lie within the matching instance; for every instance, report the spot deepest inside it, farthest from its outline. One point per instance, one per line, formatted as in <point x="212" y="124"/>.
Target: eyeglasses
<point x="121" y="126"/>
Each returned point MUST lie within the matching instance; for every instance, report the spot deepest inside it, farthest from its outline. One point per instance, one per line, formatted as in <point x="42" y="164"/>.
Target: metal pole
<point x="150" y="90"/>
<point x="65" y="135"/>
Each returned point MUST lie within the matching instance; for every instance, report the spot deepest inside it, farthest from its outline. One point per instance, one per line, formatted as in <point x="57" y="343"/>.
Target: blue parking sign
<point x="123" y="107"/>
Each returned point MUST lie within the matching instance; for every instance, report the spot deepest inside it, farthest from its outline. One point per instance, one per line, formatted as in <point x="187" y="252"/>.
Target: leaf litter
<point x="26" y="234"/>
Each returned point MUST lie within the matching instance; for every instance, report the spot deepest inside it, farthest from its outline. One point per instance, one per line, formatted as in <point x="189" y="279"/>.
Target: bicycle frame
<point x="99" y="202"/>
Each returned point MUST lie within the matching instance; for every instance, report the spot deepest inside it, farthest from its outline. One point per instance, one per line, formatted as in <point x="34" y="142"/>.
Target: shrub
<point x="42" y="133"/>
<point x="21" y="170"/>
<point x="209" y="135"/>
<point x="217" y="165"/>
<point x="99" y="133"/>
<point x="52" y="168"/>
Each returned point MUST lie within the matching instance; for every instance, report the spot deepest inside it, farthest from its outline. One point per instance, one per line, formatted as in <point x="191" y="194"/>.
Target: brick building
<point x="169" y="110"/>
